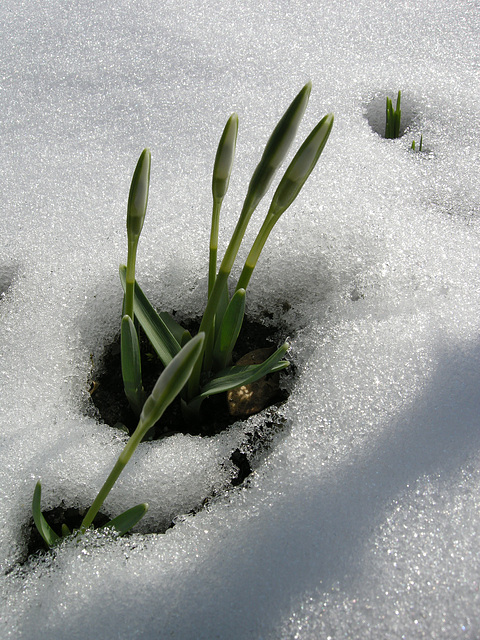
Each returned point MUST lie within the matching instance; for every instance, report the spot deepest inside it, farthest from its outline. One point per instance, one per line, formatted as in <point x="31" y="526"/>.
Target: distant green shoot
<point x="393" y="117"/>
<point x="419" y="148"/>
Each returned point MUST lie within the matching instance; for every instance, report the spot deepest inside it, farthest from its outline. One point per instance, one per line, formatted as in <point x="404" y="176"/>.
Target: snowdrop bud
<point x="171" y="381"/>
<point x="224" y="158"/>
<point x="138" y="195"/>
<point x="277" y="147"/>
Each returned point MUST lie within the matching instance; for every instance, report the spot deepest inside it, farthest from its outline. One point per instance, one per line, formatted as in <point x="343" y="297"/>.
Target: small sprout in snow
<point x="392" y="121"/>
<point x="414" y="147"/>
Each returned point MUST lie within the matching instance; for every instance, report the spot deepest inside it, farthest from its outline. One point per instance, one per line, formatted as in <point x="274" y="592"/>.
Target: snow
<point x="363" y="519"/>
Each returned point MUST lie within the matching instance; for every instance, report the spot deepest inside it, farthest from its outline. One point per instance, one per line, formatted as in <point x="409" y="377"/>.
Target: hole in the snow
<point x="259" y="433"/>
<point x="218" y="411"/>
<point x="7" y="276"/>
<point x="375" y="112"/>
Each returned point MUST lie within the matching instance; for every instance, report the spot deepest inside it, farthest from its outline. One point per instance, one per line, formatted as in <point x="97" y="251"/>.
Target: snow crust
<point x="363" y="521"/>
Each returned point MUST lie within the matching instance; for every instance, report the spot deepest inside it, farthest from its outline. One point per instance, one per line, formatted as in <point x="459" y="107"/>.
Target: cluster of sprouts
<point x="200" y="366"/>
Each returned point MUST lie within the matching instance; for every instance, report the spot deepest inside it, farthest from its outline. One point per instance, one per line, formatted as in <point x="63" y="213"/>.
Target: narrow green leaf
<point x="186" y="337"/>
<point x="157" y="332"/>
<point x="207" y="360"/>
<point x="398" y="115"/>
<point x="171" y="381"/>
<point x="173" y="326"/>
<point x="221" y="307"/>
<point x="131" y="365"/>
<point x="44" y="529"/>
<point x="237" y="376"/>
<point x="389" y="119"/>
<point x="229" y="330"/>
<point x="128" y="519"/>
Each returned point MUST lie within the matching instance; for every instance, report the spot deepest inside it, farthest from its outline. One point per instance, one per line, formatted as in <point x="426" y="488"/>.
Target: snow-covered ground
<point x="364" y="520"/>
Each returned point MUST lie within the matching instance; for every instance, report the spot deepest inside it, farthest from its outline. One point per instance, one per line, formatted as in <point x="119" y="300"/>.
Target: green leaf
<point x="229" y="330"/>
<point x="131" y="365"/>
<point x="44" y="529"/>
<point x="207" y="360"/>
<point x="398" y="115"/>
<point x="221" y="307"/>
<point x="160" y="336"/>
<point x="171" y="381"/>
<point x="186" y="337"/>
<point x="173" y="326"/>
<point x="128" y="519"/>
<point x="237" y="376"/>
<point x="138" y="195"/>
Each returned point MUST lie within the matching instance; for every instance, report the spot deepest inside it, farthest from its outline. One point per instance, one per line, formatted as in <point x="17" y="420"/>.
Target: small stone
<point x="252" y="398"/>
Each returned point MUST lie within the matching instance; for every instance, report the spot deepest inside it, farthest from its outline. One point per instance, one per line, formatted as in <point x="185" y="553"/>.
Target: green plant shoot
<point x="293" y="180"/>
<point x="131" y="365"/>
<point x="136" y="210"/>
<point x="419" y="145"/>
<point x="130" y="349"/>
<point x="393" y="117"/>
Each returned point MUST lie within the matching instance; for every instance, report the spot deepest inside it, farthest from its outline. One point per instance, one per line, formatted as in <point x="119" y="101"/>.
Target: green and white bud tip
<point x="224" y="158"/>
<point x="138" y="195"/>
<point x="277" y="147"/>
<point x="301" y="166"/>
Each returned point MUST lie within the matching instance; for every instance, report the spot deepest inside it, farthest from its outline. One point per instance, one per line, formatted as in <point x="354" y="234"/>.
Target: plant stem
<point x="130" y="277"/>
<point x="123" y="458"/>
<point x="226" y="265"/>
<point x="212" y="265"/>
<point x="255" y="252"/>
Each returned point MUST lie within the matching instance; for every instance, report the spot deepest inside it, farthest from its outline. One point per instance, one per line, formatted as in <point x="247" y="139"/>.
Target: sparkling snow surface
<point x="364" y="519"/>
